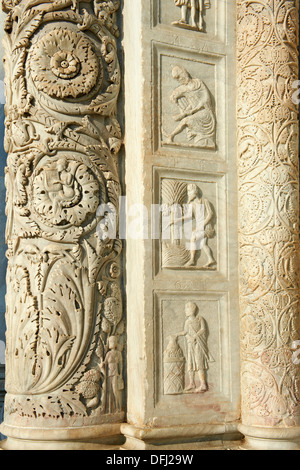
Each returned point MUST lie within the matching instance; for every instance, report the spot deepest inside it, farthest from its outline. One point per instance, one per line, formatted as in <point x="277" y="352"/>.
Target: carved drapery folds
<point x="267" y="38"/>
<point x="65" y="328"/>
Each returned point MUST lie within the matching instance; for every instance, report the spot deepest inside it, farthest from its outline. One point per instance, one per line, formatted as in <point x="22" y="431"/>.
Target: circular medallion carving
<point x="65" y="193"/>
<point x="64" y="64"/>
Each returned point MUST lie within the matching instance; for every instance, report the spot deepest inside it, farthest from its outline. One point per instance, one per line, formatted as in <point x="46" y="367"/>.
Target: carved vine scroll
<point x="268" y="130"/>
<point x="65" y="327"/>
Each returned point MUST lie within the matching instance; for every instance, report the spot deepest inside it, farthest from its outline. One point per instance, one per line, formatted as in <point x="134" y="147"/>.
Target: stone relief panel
<point x="196" y="111"/>
<point x="195" y="361"/>
<point x="64" y="316"/>
<point x="193" y="352"/>
<point x="200" y="18"/>
<point x="189" y="103"/>
<point x="192" y="227"/>
<point x="192" y="14"/>
<point x="191" y="215"/>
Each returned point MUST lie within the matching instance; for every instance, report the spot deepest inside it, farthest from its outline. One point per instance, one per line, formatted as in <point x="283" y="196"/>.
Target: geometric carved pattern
<point x="269" y="210"/>
<point x="65" y="328"/>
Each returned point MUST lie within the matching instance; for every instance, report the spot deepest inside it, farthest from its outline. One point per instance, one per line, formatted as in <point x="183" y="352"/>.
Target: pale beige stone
<point x="209" y="120"/>
<point x="188" y="75"/>
<point x="268" y="132"/>
<point x="65" y="326"/>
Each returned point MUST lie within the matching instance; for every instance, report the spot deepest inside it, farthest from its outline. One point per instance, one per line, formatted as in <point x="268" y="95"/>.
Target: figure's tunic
<point x="195" y="101"/>
<point x="196" y="336"/>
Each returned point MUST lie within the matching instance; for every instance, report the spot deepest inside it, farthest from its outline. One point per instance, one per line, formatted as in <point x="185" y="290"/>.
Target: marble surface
<point x="182" y="136"/>
<point x="3" y="261"/>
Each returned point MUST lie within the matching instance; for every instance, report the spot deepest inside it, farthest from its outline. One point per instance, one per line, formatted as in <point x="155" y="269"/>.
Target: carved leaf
<point x="173" y="192"/>
<point x="70" y="402"/>
<point x="25" y="34"/>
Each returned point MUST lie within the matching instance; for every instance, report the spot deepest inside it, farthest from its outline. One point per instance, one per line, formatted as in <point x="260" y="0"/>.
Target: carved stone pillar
<point x="65" y="328"/>
<point x="267" y="39"/>
<point x="181" y="293"/>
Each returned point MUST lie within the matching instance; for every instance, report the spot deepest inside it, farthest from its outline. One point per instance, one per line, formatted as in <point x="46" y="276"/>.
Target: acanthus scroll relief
<point x="269" y="210"/>
<point x="65" y="326"/>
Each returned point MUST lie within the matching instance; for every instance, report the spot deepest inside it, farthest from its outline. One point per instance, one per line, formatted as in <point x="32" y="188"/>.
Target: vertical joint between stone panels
<point x="65" y="324"/>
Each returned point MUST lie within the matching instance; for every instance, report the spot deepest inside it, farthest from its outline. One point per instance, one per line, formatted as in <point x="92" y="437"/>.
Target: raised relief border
<point x="192" y="352"/>
<point x="191" y="215"/>
<point x="189" y="105"/>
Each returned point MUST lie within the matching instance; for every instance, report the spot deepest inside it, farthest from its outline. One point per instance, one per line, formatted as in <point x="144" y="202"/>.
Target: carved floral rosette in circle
<point x="74" y="69"/>
<point x="64" y="64"/>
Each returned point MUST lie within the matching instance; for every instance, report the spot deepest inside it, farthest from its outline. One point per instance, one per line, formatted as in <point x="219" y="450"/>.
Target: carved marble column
<point x="65" y="328"/>
<point x="267" y="39"/>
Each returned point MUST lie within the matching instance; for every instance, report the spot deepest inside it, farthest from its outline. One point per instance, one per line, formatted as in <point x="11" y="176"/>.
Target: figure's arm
<point x="182" y="333"/>
<point x="190" y="111"/>
<point x="200" y="332"/>
<point x="181" y="219"/>
<point x="202" y="329"/>
<point x="120" y="364"/>
<point x="185" y="332"/>
<point x="209" y="213"/>
<point x="104" y="362"/>
<point x="176" y="95"/>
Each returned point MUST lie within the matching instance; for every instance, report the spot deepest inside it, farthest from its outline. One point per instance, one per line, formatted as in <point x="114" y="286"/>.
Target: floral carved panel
<point x="269" y="209"/>
<point x="65" y="327"/>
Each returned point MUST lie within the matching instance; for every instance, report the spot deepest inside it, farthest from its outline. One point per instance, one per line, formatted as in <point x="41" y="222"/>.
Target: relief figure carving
<point x="112" y="367"/>
<point x="197" y="8"/>
<point x="196" y="111"/>
<point x="188" y="371"/>
<point x="64" y="316"/>
<point x="192" y="216"/>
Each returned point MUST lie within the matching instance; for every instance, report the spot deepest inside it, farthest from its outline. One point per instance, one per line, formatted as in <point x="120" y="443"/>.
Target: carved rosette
<point x="267" y="38"/>
<point x="65" y="327"/>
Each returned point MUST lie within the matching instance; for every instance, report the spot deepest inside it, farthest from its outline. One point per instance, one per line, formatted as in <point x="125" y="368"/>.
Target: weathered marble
<point x="65" y="327"/>
<point x="207" y="355"/>
<point x="183" y="337"/>
<point x="268" y="133"/>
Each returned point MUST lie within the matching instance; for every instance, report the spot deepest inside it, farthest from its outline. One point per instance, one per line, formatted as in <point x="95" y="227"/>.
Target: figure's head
<point x="62" y="165"/>
<point x="112" y="342"/>
<point x="190" y="309"/>
<point x="193" y="191"/>
<point x="181" y="75"/>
